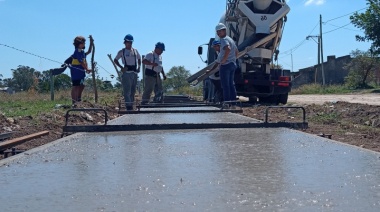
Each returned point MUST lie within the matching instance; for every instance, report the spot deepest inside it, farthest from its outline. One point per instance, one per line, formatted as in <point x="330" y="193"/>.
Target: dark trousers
<point x="218" y="95"/>
<point x="227" y="73"/>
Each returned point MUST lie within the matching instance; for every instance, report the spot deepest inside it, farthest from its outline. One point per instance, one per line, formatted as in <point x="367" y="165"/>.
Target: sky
<point x="47" y="28"/>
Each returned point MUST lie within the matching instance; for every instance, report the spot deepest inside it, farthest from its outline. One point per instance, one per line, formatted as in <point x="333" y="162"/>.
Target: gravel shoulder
<point x="371" y="99"/>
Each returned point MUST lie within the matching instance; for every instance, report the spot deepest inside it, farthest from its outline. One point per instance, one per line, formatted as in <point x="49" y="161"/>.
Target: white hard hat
<point x="220" y="26"/>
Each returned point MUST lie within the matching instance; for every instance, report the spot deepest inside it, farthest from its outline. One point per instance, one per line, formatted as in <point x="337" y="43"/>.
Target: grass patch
<point x="325" y="118"/>
<point x="319" y="89"/>
<point x="29" y="104"/>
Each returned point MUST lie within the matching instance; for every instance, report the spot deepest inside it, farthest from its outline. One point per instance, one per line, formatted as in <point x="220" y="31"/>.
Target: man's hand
<point x="138" y="69"/>
<point x="88" y="71"/>
<point x="164" y="76"/>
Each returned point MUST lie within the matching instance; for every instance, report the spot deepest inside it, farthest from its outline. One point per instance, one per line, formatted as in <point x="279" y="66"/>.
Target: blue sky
<point x="47" y="28"/>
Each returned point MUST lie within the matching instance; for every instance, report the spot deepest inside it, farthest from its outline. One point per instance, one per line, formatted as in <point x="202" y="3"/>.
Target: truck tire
<point x="252" y="100"/>
<point x="272" y="100"/>
<point x="283" y="98"/>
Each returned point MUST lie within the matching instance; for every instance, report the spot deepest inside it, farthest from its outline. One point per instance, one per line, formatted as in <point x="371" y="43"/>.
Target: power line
<point x="337" y="28"/>
<point x="345" y="15"/>
<point x="11" y="47"/>
<point x="41" y="57"/>
<point x="355" y="30"/>
<point x="290" y="51"/>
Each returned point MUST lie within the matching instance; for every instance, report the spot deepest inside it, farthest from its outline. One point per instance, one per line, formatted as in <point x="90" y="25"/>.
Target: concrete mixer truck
<point x="256" y="26"/>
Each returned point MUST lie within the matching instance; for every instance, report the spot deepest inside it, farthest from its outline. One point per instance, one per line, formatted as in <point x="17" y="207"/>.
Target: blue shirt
<point x="77" y="71"/>
<point x="227" y="41"/>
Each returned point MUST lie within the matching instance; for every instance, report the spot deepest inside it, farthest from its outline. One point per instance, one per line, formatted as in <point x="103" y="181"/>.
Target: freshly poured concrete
<point x="193" y="170"/>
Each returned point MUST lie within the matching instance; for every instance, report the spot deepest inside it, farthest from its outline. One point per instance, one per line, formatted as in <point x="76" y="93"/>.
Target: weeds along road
<point x="370" y="99"/>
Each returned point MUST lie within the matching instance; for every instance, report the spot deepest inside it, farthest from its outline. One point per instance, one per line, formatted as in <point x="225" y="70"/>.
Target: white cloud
<point x="315" y="2"/>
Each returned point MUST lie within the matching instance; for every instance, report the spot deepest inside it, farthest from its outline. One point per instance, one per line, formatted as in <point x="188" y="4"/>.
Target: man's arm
<point x="85" y="66"/>
<point x="117" y="63"/>
<point x="227" y="50"/>
<point x="138" y="65"/>
<point x="147" y="62"/>
<point x="163" y="73"/>
<point x="216" y="65"/>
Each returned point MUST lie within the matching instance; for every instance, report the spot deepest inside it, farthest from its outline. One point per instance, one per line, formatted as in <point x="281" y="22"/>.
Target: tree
<point x="24" y="78"/>
<point x="361" y="69"/>
<point x="176" y="78"/>
<point x="61" y="82"/>
<point x="369" y="21"/>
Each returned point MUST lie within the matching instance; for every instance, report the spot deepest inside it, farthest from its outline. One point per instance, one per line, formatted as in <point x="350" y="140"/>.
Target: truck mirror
<point x="200" y="50"/>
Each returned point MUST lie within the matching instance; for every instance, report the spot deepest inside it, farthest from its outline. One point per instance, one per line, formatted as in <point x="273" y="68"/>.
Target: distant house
<point x="333" y="69"/>
<point x="7" y="90"/>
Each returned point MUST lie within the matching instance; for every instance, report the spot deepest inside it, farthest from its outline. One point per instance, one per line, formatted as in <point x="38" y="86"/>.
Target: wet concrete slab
<point x="193" y="170"/>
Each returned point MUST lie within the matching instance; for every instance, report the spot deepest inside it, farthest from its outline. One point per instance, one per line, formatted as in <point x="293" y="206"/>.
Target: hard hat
<point x="128" y="37"/>
<point x="216" y="42"/>
<point x="160" y="45"/>
<point x="220" y="26"/>
<point x="78" y="40"/>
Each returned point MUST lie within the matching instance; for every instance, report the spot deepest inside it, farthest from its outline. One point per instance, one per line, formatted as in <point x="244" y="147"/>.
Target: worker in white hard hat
<point x="227" y="61"/>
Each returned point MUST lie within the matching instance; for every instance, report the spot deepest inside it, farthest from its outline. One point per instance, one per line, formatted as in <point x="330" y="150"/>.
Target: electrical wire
<point x="355" y="30"/>
<point x="45" y="58"/>
<point x="345" y="15"/>
<point x="337" y="28"/>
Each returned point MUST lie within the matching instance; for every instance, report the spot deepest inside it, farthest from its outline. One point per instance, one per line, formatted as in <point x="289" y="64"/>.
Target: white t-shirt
<point x="154" y="58"/>
<point x="129" y="57"/>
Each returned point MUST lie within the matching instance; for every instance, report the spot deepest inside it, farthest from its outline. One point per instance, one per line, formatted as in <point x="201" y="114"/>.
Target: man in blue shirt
<point x="227" y="61"/>
<point x="79" y="67"/>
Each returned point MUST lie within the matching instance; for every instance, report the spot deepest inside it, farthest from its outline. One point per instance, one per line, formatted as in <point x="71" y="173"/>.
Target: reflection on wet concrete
<point x="194" y="170"/>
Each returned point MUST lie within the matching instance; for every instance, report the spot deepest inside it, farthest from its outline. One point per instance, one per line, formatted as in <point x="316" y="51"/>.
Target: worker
<point x="227" y="60"/>
<point x="215" y="77"/>
<point x="79" y="68"/>
<point x="131" y="60"/>
<point x="153" y="67"/>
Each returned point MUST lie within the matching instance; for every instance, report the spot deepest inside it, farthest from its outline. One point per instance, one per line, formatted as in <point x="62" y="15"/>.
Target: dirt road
<point x="371" y="99"/>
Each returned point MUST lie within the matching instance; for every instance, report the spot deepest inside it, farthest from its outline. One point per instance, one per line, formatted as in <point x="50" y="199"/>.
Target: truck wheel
<point x="272" y="100"/>
<point x="283" y="98"/>
<point x="252" y="100"/>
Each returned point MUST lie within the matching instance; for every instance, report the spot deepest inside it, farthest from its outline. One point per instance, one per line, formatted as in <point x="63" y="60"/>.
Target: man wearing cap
<point x="215" y="78"/>
<point x="131" y="60"/>
<point x="153" y="67"/>
<point x="227" y="61"/>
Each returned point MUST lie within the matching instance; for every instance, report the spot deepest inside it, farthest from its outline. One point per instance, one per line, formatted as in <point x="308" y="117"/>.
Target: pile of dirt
<point x="52" y="122"/>
<point x="351" y="123"/>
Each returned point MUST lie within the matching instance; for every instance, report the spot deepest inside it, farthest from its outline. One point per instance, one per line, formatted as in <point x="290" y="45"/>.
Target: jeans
<point x="227" y="73"/>
<point x="129" y="81"/>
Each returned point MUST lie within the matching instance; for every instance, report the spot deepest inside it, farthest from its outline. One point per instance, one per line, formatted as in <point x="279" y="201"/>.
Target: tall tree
<point x="369" y="21"/>
<point x="24" y="77"/>
<point x="362" y="69"/>
<point x="176" y="78"/>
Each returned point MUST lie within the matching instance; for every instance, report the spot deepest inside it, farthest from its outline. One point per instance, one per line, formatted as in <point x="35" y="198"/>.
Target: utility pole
<point x="291" y="54"/>
<point x="321" y="47"/>
<point x="319" y="53"/>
